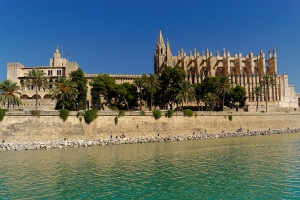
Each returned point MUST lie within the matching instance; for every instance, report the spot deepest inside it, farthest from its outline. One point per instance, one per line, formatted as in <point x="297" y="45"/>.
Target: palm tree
<point x="185" y="92"/>
<point x="140" y="83"/>
<point x="257" y="92"/>
<point x="36" y="77"/>
<point x="223" y="87"/>
<point x="265" y="83"/>
<point x="64" y="89"/>
<point x="210" y="99"/>
<point x="153" y="83"/>
<point x="9" y="92"/>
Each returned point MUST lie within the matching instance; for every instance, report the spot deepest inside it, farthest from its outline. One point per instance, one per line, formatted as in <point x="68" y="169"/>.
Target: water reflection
<point x="248" y="167"/>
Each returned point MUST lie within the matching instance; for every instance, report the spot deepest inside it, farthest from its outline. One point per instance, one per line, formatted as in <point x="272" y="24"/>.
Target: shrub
<point x="116" y="120"/>
<point x="143" y="113"/>
<point x="63" y="114"/>
<point x="36" y="113"/>
<point x="2" y="114"/>
<point x="156" y="114"/>
<point x="80" y="119"/>
<point x="188" y="112"/>
<point x="90" y="115"/>
<point x="196" y="115"/>
<point x="230" y="117"/>
<point x="114" y="108"/>
<point x="79" y="114"/>
<point x="121" y="113"/>
<point x="169" y="113"/>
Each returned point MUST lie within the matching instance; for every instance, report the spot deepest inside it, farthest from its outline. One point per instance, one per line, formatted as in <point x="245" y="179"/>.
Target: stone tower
<point x="159" y="54"/>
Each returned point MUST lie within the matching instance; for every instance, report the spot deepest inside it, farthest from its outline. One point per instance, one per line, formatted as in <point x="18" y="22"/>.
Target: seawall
<point x="23" y="127"/>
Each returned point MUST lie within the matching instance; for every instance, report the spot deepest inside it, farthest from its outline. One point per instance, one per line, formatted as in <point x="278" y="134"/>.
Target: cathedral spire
<point x="160" y="39"/>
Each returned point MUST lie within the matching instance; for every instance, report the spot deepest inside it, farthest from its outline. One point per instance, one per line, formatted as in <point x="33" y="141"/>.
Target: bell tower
<point x="159" y="54"/>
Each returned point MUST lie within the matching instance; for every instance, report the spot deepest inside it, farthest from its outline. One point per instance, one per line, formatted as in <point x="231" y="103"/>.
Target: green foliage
<point x="63" y="114"/>
<point x="238" y="94"/>
<point x="37" y="78"/>
<point x="114" y="108"/>
<point x="64" y="90"/>
<point x="2" y="114"/>
<point x="188" y="112"/>
<point x="80" y="119"/>
<point x="169" y="113"/>
<point x="230" y="117"/>
<point x="126" y="96"/>
<point x="9" y="94"/>
<point x="185" y="92"/>
<point x="36" y="113"/>
<point x="103" y="85"/>
<point x="79" y="114"/>
<point x="80" y="81"/>
<point x="156" y="114"/>
<point x="121" y="113"/>
<point x="169" y="80"/>
<point x="196" y="115"/>
<point x="116" y="120"/>
<point x="90" y="115"/>
<point x="143" y="113"/>
<point x="96" y="101"/>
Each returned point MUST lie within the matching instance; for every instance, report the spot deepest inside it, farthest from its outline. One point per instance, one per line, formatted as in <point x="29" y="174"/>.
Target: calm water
<point x="262" y="167"/>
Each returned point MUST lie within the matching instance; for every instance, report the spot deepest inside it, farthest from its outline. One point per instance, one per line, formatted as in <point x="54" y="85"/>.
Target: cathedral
<point x="246" y="71"/>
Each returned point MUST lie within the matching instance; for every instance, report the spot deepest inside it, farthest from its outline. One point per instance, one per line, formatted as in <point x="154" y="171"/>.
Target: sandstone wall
<point x="22" y="127"/>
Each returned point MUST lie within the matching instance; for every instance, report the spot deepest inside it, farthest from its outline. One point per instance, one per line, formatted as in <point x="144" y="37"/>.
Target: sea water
<point x="259" y="167"/>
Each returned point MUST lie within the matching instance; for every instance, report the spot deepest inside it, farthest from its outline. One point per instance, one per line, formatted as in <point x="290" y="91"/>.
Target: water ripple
<point x="263" y="167"/>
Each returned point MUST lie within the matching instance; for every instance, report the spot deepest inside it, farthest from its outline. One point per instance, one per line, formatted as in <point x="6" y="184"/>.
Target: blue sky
<point x="119" y="36"/>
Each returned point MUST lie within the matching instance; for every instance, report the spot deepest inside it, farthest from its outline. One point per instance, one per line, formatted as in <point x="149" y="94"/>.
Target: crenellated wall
<point x="22" y="127"/>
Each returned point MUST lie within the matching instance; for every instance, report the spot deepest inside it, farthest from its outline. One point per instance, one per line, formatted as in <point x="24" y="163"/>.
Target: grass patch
<point x="90" y="115"/>
<point x="230" y="117"/>
<point x="116" y="120"/>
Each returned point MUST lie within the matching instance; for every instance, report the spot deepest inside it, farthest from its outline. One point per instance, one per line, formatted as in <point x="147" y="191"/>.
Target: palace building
<point x="58" y="67"/>
<point x="246" y="71"/>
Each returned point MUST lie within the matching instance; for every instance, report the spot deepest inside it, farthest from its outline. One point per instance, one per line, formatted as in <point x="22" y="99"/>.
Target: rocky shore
<point x="89" y="143"/>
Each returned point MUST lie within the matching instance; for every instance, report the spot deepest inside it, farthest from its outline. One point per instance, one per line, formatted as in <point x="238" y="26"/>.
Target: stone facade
<point x="22" y="127"/>
<point x="58" y="67"/>
<point x="246" y="71"/>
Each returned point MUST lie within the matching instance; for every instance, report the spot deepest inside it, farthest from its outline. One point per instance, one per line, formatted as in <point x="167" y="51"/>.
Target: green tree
<point x="127" y="94"/>
<point x="186" y="92"/>
<point x="80" y="81"/>
<point x="141" y="85"/>
<point x="153" y="83"/>
<point x="257" y="93"/>
<point x="223" y="88"/>
<point x="36" y="77"/>
<point x="105" y="86"/>
<point x="9" y="93"/>
<point x="266" y="82"/>
<point x="96" y="101"/>
<point x="210" y="99"/>
<point x="64" y="89"/>
<point x="169" y="81"/>
<point x="238" y="94"/>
